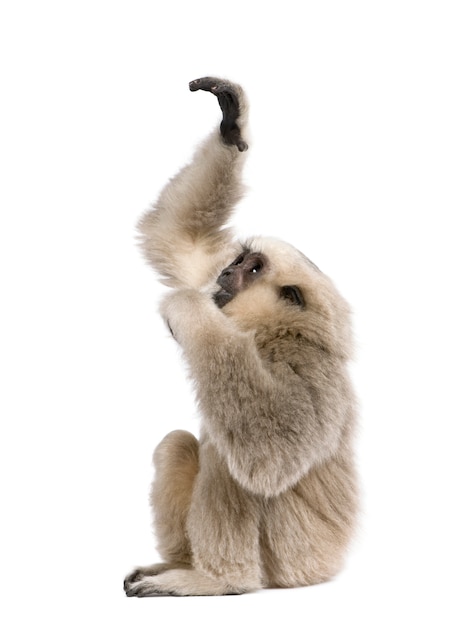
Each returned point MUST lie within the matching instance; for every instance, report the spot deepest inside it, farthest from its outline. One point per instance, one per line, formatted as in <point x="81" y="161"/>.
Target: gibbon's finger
<point x="207" y="83"/>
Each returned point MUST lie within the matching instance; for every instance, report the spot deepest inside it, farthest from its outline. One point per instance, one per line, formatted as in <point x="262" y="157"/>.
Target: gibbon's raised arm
<point x="183" y="234"/>
<point x="263" y="418"/>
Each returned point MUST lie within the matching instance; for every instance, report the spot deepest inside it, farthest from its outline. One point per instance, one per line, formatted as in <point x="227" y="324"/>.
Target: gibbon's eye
<point x="293" y="294"/>
<point x="257" y="267"/>
<point x="239" y="259"/>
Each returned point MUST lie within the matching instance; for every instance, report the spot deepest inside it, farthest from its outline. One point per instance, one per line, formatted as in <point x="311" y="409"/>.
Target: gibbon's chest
<point x="297" y="361"/>
<point x="291" y="350"/>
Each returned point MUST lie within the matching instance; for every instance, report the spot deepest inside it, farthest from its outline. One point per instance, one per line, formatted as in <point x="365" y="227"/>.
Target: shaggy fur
<point x="267" y="496"/>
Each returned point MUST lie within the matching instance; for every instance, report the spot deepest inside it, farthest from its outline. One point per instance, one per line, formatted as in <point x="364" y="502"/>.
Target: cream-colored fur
<point x="267" y="496"/>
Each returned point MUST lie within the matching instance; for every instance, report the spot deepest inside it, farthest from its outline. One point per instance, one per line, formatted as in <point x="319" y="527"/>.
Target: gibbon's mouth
<point x="222" y="297"/>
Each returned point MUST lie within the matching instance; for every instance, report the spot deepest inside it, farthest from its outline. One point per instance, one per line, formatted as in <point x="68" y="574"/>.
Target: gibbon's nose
<point x="225" y="279"/>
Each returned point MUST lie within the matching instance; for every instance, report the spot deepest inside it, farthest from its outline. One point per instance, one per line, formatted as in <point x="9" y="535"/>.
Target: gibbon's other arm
<point x="260" y="416"/>
<point x="183" y="234"/>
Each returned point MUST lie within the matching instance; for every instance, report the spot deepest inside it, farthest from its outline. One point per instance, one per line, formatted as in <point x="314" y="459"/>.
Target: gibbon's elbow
<point x="264" y="476"/>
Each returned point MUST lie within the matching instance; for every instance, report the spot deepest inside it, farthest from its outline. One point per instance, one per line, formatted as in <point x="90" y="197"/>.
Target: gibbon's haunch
<point x="267" y="496"/>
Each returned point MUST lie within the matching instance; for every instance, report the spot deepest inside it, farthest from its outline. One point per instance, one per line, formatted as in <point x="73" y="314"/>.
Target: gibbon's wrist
<point x="186" y="312"/>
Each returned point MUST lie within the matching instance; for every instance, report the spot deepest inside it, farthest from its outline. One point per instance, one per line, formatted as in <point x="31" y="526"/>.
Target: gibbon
<point x="267" y="497"/>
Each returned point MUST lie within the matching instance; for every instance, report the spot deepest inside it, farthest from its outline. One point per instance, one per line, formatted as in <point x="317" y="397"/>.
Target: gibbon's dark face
<point x="245" y="270"/>
<point x="240" y="274"/>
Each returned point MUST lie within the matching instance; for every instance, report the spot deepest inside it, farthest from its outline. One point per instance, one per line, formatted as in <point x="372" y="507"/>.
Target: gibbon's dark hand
<point x="229" y="97"/>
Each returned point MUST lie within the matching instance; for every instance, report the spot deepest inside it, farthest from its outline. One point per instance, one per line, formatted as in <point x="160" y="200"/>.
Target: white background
<point x="349" y="161"/>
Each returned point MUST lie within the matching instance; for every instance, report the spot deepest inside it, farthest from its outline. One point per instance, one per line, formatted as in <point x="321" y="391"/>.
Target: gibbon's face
<point x="268" y="264"/>
<point x="271" y="283"/>
<point x="247" y="269"/>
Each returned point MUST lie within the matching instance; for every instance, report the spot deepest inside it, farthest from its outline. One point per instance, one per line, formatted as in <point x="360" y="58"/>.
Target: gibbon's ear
<point x="292" y="294"/>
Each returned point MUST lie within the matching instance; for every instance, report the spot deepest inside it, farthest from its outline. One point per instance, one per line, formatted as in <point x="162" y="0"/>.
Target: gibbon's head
<point x="273" y="288"/>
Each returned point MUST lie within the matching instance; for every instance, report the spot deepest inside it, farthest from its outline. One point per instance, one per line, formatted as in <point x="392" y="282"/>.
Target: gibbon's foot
<point x="134" y="576"/>
<point x="144" y="589"/>
<point x="228" y="96"/>
<point x="140" y="573"/>
<point x="183" y="581"/>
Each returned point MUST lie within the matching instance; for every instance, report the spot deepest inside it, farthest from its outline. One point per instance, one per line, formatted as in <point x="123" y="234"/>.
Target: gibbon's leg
<point x="223" y="526"/>
<point x="183" y="235"/>
<point x="176" y="468"/>
<point x="306" y="530"/>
